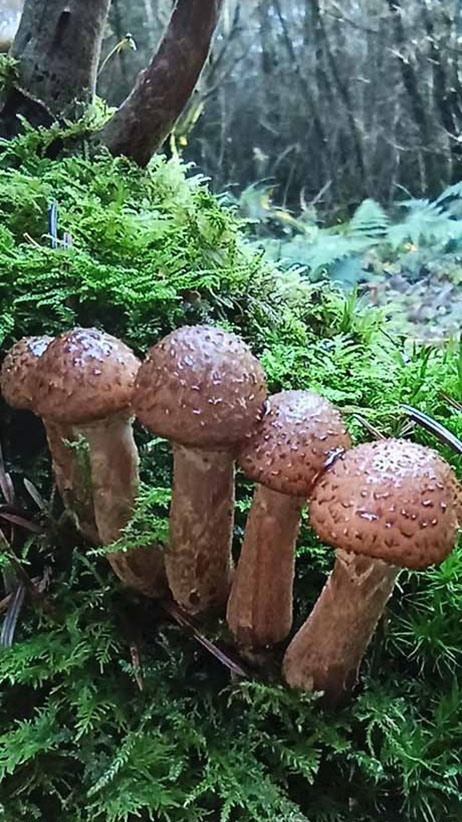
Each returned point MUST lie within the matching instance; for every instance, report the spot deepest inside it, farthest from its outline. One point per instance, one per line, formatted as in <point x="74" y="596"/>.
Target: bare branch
<point x="146" y="117"/>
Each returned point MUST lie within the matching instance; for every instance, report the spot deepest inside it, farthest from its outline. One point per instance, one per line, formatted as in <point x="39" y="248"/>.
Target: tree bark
<point x="342" y="88"/>
<point x="418" y="106"/>
<point x="304" y="85"/>
<point x="146" y="117"/>
<point x="58" y="45"/>
<point x="120" y="33"/>
<point x="445" y="96"/>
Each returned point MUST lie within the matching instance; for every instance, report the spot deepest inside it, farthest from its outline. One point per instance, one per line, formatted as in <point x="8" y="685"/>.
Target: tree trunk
<point x="304" y="84"/>
<point x="418" y="105"/>
<point x="445" y="94"/>
<point x="58" y="45"/>
<point x="120" y="32"/>
<point x="342" y="88"/>
<point x="146" y="117"/>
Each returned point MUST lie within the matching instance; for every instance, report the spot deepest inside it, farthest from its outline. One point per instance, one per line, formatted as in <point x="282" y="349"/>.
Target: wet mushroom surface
<point x="18" y="382"/>
<point x="384" y="505"/>
<point x="86" y="380"/>
<point x="202" y="389"/>
<point x="391" y="499"/>
<point x="284" y="455"/>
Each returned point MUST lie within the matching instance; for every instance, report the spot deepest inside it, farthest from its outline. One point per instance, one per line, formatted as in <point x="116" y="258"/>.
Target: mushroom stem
<point x="326" y="653"/>
<point x="198" y="562"/>
<point x="114" y="462"/>
<point x="72" y="476"/>
<point x="260" y="605"/>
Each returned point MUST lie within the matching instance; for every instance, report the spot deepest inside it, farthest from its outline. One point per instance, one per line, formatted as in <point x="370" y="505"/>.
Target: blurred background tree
<point x="333" y="102"/>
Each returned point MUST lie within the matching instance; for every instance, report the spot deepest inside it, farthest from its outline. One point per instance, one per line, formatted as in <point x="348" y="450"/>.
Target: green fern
<point x="426" y="222"/>
<point x="341" y="251"/>
<point x="370" y="220"/>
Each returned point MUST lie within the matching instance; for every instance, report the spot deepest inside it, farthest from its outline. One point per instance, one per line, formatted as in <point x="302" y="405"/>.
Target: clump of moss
<point x="79" y="740"/>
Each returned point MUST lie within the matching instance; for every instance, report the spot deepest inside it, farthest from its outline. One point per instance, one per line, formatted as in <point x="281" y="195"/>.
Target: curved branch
<point x="145" y="118"/>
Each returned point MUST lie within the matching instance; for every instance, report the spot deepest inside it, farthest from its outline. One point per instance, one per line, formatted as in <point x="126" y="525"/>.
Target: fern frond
<point x="369" y="220"/>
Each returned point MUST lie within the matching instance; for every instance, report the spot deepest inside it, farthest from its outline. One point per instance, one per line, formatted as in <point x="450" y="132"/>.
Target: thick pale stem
<point x="72" y="475"/>
<point x="114" y="464"/>
<point x="198" y="562"/>
<point x="326" y="653"/>
<point x="260" y="606"/>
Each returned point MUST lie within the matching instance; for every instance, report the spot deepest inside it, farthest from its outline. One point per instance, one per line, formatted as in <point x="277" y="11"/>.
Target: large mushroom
<point x="85" y="380"/>
<point x="284" y="456"/>
<point x="17" y="382"/>
<point x="202" y="389"/>
<point x="384" y="505"/>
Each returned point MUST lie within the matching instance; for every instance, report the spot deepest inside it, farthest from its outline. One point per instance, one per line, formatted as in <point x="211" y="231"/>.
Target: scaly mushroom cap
<point x="200" y="386"/>
<point x="289" y="447"/>
<point x="84" y="376"/>
<point x="392" y="499"/>
<point x="18" y="371"/>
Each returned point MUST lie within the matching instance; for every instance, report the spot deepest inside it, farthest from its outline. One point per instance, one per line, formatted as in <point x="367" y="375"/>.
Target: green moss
<point x="9" y="71"/>
<point x="78" y="740"/>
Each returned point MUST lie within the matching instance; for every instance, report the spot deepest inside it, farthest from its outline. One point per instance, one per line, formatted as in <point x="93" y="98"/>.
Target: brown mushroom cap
<point x="392" y="500"/>
<point x="18" y="371"/>
<point x="84" y="376"/>
<point x="289" y="448"/>
<point x="200" y="386"/>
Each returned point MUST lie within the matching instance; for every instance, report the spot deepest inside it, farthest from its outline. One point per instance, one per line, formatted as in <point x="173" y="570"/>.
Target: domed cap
<point x="391" y="499"/>
<point x="200" y="386"/>
<point x="85" y="375"/>
<point x="289" y="447"/>
<point x="18" y="371"/>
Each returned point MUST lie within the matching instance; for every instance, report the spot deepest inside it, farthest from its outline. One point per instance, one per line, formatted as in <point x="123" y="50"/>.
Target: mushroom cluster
<point x="383" y="506"/>
<point x="81" y="384"/>
<point x="17" y="382"/>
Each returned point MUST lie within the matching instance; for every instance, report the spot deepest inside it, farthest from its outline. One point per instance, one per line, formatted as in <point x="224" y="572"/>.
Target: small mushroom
<point x="384" y="505"/>
<point x="85" y="380"/>
<point x="203" y="389"/>
<point x="285" y="455"/>
<point x="18" y="374"/>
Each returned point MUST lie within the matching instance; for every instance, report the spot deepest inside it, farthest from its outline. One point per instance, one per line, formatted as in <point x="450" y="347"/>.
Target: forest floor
<point x="424" y="305"/>
<point x="407" y="262"/>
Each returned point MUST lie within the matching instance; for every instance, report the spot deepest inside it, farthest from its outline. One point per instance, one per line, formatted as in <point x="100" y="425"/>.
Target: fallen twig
<point x="370" y="428"/>
<point x="24" y="523"/>
<point x="183" y="619"/>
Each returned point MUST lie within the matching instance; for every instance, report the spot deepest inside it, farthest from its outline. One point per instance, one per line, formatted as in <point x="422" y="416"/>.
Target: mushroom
<point x="17" y="384"/>
<point x="384" y="505"/>
<point x="287" y="451"/>
<point x="202" y="389"/>
<point x="85" y="380"/>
